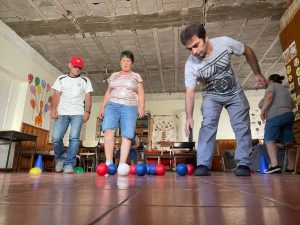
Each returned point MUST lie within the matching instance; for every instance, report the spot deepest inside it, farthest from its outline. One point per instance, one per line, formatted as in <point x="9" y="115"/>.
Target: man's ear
<point x="70" y="65"/>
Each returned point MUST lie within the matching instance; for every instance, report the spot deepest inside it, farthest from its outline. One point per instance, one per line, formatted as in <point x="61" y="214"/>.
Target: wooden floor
<point x="222" y="198"/>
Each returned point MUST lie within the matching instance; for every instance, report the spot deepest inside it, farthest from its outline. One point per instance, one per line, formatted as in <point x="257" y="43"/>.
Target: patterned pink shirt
<point x="124" y="88"/>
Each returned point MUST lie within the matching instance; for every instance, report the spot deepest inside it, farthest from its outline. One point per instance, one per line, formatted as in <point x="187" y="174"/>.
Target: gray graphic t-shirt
<point x="215" y="72"/>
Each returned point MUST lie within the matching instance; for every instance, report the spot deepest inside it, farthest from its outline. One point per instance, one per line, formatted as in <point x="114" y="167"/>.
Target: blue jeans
<point x="280" y="128"/>
<point x="119" y="115"/>
<point x="237" y="107"/>
<point x="60" y="127"/>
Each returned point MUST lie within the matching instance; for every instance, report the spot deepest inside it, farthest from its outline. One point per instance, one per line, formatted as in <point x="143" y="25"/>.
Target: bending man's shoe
<point x="243" y="171"/>
<point x="202" y="170"/>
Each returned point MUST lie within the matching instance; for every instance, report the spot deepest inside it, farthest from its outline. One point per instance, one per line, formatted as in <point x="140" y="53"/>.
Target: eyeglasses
<point x="195" y="45"/>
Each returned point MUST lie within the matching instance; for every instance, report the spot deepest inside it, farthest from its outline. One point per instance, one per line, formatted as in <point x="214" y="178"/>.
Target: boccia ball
<point x="160" y="170"/>
<point x="132" y="169"/>
<point x="102" y="169"/>
<point x="191" y="169"/>
<point x="112" y="169"/>
<point x="78" y="169"/>
<point x="35" y="171"/>
<point x="152" y="169"/>
<point x="140" y="169"/>
<point x="148" y="169"/>
<point x="123" y="169"/>
<point x="181" y="169"/>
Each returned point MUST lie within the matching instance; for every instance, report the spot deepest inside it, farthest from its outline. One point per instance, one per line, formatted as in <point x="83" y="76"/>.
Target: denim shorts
<point x="279" y="128"/>
<point x="120" y="116"/>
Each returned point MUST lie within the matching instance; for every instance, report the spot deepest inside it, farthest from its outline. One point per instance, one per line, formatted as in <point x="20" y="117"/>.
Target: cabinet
<point x="144" y="131"/>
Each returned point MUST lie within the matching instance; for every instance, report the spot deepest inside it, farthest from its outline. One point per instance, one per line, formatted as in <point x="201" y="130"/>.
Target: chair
<point x="89" y="154"/>
<point x="162" y="155"/>
<point x="293" y="147"/>
<point x="184" y="150"/>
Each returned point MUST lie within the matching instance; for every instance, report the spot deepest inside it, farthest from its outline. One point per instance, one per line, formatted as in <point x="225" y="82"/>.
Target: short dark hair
<point x="192" y="30"/>
<point x="127" y="54"/>
<point x="276" y="78"/>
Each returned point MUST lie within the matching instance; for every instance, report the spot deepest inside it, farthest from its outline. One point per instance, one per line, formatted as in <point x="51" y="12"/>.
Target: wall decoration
<point x="298" y="71"/>
<point x="165" y="129"/>
<point x="39" y="90"/>
<point x="290" y="53"/>
<point x="257" y="126"/>
<point x="296" y="62"/>
<point x="292" y="86"/>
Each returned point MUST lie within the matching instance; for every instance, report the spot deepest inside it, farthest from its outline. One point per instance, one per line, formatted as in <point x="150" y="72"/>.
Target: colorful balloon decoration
<point x="37" y="81"/>
<point x="30" y="78"/>
<point x="39" y="90"/>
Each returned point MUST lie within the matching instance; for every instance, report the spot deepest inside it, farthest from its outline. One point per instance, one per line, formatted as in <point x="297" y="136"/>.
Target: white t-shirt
<point x="215" y="72"/>
<point x="73" y="90"/>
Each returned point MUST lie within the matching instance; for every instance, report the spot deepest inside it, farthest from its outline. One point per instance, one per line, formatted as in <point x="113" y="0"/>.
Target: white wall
<point x="170" y="106"/>
<point x="17" y="60"/>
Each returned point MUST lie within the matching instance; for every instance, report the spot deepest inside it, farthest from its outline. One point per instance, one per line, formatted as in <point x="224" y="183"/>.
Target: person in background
<point x="277" y="111"/>
<point x="132" y="156"/>
<point x="71" y="105"/>
<point x="122" y="104"/>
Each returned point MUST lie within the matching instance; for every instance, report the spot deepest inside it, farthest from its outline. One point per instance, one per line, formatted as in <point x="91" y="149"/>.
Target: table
<point x="10" y="136"/>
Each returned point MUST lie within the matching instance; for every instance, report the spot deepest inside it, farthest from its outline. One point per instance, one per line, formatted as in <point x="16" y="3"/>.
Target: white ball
<point x="123" y="169"/>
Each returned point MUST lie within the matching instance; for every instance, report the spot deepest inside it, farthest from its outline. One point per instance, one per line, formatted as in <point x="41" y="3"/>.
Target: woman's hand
<point x="141" y="112"/>
<point x="263" y="116"/>
<point x="101" y="114"/>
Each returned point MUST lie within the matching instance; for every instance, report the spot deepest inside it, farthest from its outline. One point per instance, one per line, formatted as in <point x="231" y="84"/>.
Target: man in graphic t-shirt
<point x="210" y="63"/>
<point x="71" y="105"/>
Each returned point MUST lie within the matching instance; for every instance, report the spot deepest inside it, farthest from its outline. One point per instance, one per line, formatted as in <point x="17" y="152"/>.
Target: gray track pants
<point x="237" y="107"/>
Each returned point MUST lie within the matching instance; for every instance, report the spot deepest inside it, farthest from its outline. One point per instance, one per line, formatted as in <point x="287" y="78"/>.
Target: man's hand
<point x="189" y="123"/>
<point x="86" y="116"/>
<point x="261" y="80"/>
<point x="53" y="114"/>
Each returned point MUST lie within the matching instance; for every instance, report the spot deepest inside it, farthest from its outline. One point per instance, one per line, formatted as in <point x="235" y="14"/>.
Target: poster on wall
<point x="257" y="126"/>
<point x="40" y="98"/>
<point x="165" y="129"/>
<point x="290" y="53"/>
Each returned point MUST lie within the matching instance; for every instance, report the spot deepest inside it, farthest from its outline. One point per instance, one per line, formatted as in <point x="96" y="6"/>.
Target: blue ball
<point x="140" y="169"/>
<point x="148" y="168"/>
<point x="181" y="169"/>
<point x="152" y="169"/>
<point x="112" y="169"/>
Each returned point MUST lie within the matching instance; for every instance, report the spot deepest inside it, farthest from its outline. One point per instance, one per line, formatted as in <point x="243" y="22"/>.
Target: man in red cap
<point x="71" y="105"/>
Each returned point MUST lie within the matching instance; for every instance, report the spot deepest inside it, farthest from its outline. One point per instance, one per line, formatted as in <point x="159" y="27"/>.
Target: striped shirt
<point x="124" y="88"/>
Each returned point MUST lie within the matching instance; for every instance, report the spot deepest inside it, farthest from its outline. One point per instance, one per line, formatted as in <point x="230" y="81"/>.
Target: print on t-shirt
<point x="219" y="75"/>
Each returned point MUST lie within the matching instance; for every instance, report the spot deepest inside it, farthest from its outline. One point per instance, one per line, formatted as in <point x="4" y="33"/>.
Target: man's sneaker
<point x="243" y="171"/>
<point x="202" y="170"/>
<point x="68" y="169"/>
<point x="59" y="166"/>
<point x="274" y="169"/>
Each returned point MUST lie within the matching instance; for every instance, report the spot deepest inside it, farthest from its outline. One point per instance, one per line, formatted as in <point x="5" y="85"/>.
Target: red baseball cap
<point x="76" y="61"/>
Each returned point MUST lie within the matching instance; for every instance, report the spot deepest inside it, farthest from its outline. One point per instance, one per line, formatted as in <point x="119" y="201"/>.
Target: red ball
<point x="160" y="170"/>
<point x="102" y="169"/>
<point x="132" y="169"/>
<point x="191" y="169"/>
